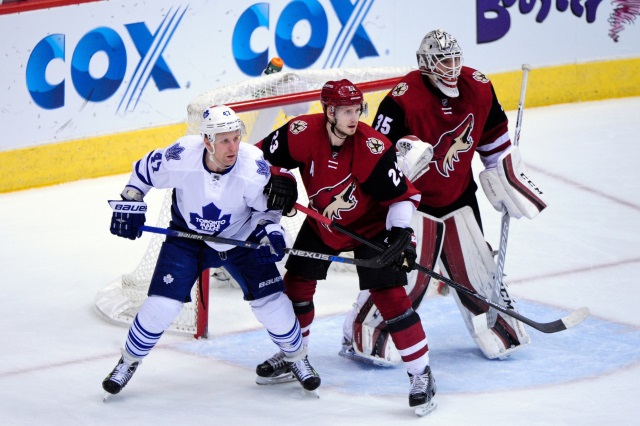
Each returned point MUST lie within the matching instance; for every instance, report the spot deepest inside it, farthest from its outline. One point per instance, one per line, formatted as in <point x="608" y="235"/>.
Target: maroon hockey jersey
<point x="456" y="127"/>
<point x="353" y="185"/>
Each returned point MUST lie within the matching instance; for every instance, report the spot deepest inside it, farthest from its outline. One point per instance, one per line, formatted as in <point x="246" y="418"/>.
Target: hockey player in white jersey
<point x="218" y="189"/>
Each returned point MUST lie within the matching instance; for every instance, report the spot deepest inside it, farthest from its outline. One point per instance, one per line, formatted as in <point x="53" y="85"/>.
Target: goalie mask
<point x="440" y="58"/>
<point x="219" y="119"/>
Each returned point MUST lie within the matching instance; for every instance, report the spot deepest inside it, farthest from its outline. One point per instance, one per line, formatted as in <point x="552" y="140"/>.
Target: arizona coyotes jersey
<point x="456" y="127"/>
<point x="353" y="185"/>
<point x="228" y="204"/>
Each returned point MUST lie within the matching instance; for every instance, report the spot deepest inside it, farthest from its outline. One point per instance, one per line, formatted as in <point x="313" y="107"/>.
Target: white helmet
<point x="440" y="58"/>
<point x="219" y="119"/>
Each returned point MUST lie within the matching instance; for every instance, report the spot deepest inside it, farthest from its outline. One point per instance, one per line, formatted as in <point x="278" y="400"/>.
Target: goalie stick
<point x="492" y="314"/>
<point x="571" y="320"/>
<point x="367" y="263"/>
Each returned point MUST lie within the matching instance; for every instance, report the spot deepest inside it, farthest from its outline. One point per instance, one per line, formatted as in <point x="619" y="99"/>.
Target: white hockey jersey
<point x="228" y="204"/>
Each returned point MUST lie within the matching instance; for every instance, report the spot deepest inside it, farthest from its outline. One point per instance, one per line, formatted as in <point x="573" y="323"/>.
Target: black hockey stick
<point x="367" y="263"/>
<point x="573" y="319"/>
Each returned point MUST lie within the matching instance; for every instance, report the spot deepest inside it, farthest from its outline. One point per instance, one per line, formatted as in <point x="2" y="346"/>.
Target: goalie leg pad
<point x="468" y="260"/>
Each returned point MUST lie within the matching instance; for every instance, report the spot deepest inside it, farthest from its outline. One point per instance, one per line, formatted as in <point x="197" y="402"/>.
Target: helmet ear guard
<point x="440" y="57"/>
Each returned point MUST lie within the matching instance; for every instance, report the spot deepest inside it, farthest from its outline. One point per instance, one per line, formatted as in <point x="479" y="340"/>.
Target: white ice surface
<point x="56" y="252"/>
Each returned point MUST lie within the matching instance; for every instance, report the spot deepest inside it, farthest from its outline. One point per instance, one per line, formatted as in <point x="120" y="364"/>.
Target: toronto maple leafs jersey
<point x="456" y="127"/>
<point x="353" y="185"/>
<point x="229" y="204"/>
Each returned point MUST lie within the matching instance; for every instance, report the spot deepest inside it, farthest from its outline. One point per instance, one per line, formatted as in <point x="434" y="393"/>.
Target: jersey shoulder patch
<point x="173" y="152"/>
<point x="297" y="126"/>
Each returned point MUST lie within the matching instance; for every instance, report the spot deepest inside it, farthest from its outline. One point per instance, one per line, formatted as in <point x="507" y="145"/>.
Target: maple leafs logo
<point x="210" y="221"/>
<point x="173" y="152"/>
<point x="263" y="168"/>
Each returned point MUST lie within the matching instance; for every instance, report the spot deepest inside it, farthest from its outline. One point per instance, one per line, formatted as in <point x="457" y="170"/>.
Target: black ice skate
<point x="306" y="374"/>
<point x="422" y="392"/>
<point x="274" y="370"/>
<point x="120" y="376"/>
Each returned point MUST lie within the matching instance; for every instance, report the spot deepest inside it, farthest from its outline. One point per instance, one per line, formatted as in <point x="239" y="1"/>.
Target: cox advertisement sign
<point x="111" y="66"/>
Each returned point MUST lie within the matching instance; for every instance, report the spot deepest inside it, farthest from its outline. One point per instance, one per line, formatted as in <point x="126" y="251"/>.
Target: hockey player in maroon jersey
<point x="352" y="177"/>
<point x="455" y="108"/>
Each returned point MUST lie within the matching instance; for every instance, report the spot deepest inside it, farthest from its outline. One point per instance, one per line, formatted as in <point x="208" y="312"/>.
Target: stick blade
<point x="576" y="317"/>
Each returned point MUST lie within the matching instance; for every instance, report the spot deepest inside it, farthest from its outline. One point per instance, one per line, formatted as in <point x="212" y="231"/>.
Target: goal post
<point x="264" y="104"/>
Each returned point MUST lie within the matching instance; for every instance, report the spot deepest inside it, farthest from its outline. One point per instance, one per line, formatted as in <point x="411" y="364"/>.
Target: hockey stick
<point x="573" y="319"/>
<point x="367" y="263"/>
<point x="496" y="296"/>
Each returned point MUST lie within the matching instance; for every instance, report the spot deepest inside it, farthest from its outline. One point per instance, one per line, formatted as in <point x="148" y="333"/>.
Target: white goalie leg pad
<point x="414" y="156"/>
<point x="366" y="338"/>
<point x="469" y="261"/>
<point x="508" y="184"/>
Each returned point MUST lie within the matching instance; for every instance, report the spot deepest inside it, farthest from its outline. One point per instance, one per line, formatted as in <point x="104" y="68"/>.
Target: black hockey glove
<point x="401" y="250"/>
<point x="128" y="215"/>
<point x="282" y="190"/>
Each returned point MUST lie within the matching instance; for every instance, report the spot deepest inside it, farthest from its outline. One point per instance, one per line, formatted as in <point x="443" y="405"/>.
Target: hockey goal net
<point x="264" y="104"/>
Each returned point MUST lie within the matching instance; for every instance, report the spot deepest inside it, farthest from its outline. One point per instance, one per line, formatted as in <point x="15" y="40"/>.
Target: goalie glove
<point x="401" y="251"/>
<point x="508" y="185"/>
<point x="129" y="214"/>
<point x="281" y="190"/>
<point x="414" y="156"/>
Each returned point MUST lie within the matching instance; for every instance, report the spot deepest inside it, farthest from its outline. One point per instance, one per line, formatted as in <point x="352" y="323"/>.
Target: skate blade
<point x="283" y="378"/>
<point x="424" y="409"/>
<point x="106" y="396"/>
<point x="379" y="362"/>
<point x="311" y="394"/>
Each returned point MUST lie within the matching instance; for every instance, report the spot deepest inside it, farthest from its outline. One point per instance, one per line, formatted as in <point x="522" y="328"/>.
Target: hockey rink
<point x="56" y="253"/>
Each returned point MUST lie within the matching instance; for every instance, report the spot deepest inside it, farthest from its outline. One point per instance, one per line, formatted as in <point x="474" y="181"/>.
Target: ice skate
<point x="422" y="392"/>
<point x="120" y="376"/>
<point x="306" y="375"/>
<point x="274" y="370"/>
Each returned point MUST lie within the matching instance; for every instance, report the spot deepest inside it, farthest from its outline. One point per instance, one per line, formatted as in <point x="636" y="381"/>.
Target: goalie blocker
<point x="508" y="184"/>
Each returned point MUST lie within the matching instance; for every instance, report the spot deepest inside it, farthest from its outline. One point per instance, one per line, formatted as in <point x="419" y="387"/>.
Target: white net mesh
<point x="120" y="301"/>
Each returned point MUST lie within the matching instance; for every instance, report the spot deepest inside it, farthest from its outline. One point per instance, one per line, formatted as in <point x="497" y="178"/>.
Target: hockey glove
<point x="273" y="244"/>
<point x="401" y="250"/>
<point x="128" y="215"/>
<point x="282" y="190"/>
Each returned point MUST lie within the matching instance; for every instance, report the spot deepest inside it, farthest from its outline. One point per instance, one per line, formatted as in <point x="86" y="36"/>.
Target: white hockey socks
<point x="275" y="313"/>
<point x="155" y="316"/>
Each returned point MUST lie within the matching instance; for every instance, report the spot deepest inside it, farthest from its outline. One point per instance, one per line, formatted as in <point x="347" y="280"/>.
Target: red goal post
<point x="264" y="104"/>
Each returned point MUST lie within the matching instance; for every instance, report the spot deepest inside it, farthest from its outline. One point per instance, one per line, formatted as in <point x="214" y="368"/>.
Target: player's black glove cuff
<point x="282" y="190"/>
<point x="401" y="250"/>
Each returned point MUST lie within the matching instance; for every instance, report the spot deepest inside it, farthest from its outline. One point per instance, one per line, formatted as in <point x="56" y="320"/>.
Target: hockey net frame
<point x="264" y="104"/>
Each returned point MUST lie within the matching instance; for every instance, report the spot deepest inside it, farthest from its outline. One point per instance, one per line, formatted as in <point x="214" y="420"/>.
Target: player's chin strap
<point x="573" y="319"/>
<point x="367" y="263"/>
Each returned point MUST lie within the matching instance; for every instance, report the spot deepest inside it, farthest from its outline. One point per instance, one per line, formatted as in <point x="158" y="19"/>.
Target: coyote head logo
<point x="451" y="144"/>
<point x="336" y="199"/>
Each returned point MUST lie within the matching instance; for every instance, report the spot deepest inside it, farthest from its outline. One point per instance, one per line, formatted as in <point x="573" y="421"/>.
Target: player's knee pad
<point x="467" y="259"/>
<point x="158" y="312"/>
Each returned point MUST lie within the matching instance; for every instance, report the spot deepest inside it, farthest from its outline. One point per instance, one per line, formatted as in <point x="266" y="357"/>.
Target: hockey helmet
<point x="341" y="93"/>
<point x="219" y="119"/>
<point x="440" y="58"/>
